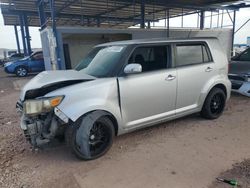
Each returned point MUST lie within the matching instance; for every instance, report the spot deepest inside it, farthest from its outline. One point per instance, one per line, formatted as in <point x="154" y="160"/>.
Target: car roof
<point x="157" y="40"/>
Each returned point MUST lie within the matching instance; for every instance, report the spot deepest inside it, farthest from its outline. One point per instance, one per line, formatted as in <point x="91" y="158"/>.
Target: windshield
<point x="101" y="61"/>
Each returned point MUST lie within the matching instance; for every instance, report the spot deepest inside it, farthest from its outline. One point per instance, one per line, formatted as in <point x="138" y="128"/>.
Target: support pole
<point x="222" y="18"/>
<point x="41" y="14"/>
<point x="182" y="19"/>
<point x="211" y="20"/>
<point x="17" y="40"/>
<point x="98" y="22"/>
<point x="26" y="27"/>
<point x="149" y="26"/>
<point x="202" y="19"/>
<point x="56" y="54"/>
<point x="168" y="16"/>
<point x="23" y="35"/>
<point x="142" y="14"/>
<point x="234" y="19"/>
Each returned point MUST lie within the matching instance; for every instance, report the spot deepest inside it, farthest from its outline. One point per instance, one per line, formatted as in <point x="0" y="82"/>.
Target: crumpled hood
<point x="53" y="78"/>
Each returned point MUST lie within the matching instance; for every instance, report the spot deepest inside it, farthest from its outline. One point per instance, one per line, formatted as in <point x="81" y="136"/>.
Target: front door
<point x="150" y="96"/>
<point x="36" y="63"/>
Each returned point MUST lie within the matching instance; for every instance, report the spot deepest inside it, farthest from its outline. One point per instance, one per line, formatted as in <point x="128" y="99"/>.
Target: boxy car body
<point x="123" y="86"/>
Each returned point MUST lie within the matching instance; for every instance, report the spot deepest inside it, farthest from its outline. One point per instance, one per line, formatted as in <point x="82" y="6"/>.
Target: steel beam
<point x="168" y="17"/>
<point x="70" y="16"/>
<point x="202" y="20"/>
<point x="66" y="5"/>
<point x="53" y="18"/>
<point x="27" y="34"/>
<point x="41" y="13"/>
<point x="17" y="40"/>
<point x="142" y="14"/>
<point x="23" y="35"/>
<point x="234" y="19"/>
<point x="242" y="26"/>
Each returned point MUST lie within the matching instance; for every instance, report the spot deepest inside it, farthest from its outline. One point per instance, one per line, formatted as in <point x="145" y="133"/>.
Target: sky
<point x="7" y="34"/>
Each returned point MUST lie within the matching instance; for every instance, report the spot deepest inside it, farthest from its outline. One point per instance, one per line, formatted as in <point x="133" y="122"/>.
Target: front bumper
<point x="7" y="70"/>
<point x="40" y="129"/>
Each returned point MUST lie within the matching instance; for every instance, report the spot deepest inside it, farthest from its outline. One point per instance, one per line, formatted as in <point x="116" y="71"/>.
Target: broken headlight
<point x="42" y="105"/>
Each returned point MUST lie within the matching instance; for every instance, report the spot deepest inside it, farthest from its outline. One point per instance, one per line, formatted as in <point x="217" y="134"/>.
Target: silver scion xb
<point x="123" y="86"/>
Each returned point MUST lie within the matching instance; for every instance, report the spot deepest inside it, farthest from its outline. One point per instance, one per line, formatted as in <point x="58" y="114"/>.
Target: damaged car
<point x="124" y="86"/>
<point x="239" y="73"/>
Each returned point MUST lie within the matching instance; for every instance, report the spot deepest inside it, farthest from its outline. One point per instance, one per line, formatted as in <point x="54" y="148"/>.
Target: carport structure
<point x="108" y="13"/>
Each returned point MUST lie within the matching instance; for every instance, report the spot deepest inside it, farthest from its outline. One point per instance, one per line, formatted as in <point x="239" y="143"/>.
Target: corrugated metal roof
<point x="110" y="13"/>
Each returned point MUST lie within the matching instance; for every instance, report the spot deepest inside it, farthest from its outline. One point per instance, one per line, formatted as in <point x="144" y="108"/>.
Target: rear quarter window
<point x="191" y="54"/>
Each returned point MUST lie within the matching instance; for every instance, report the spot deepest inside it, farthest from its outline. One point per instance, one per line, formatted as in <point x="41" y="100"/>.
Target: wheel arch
<point x="221" y="86"/>
<point x="99" y="113"/>
<point x="26" y="67"/>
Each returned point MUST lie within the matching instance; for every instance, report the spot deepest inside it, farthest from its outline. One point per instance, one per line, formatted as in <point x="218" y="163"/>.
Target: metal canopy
<point x="108" y="13"/>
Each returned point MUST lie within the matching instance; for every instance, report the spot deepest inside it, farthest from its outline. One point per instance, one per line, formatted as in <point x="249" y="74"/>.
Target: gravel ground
<point x="239" y="172"/>
<point x="190" y="152"/>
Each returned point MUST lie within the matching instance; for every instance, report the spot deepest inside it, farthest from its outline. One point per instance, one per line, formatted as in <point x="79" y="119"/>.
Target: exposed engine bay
<point x="41" y="120"/>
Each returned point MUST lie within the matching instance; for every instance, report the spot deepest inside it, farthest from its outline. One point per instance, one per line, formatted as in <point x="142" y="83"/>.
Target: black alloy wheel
<point x="91" y="140"/>
<point x="214" y="104"/>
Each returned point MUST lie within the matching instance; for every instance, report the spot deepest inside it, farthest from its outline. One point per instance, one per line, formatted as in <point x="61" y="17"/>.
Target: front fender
<point x="100" y="94"/>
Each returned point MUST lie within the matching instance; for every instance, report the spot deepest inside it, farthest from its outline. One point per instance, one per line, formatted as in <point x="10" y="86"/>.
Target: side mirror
<point x="133" y="68"/>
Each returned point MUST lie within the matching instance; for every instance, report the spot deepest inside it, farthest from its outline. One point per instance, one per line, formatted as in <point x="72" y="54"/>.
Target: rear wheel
<point x="21" y="71"/>
<point x="214" y="104"/>
<point x="92" y="139"/>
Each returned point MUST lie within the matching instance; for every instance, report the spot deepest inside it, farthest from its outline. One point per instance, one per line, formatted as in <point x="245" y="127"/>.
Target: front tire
<point x="214" y="104"/>
<point x="90" y="139"/>
<point x="21" y="71"/>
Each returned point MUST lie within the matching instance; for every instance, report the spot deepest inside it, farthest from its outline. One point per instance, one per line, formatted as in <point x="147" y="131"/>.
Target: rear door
<point x="195" y="67"/>
<point x="149" y="96"/>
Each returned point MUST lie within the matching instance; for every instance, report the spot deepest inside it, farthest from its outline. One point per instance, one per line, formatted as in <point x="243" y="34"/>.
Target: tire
<point x="90" y="139"/>
<point x="21" y="71"/>
<point x="214" y="104"/>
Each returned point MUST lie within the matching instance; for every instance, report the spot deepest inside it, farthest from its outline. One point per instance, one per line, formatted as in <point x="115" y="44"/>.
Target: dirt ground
<point x="187" y="153"/>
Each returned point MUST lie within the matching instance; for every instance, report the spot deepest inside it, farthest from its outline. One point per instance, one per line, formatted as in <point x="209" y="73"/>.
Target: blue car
<point x="33" y="63"/>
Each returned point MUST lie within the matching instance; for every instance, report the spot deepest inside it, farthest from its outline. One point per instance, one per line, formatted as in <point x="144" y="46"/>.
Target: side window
<point x="191" y="54"/>
<point x="245" y="56"/>
<point x="38" y="56"/>
<point x="150" y="58"/>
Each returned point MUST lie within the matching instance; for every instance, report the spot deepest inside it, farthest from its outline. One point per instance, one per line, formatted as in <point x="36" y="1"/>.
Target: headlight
<point x="36" y="106"/>
<point x="7" y="64"/>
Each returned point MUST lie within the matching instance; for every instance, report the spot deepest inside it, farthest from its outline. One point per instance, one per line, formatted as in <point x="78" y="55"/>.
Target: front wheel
<point x="214" y="104"/>
<point x="21" y="71"/>
<point x="91" y="138"/>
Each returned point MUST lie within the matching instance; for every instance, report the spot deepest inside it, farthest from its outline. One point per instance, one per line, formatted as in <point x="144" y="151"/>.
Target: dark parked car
<point x="33" y="63"/>
<point x="239" y="73"/>
<point x="13" y="57"/>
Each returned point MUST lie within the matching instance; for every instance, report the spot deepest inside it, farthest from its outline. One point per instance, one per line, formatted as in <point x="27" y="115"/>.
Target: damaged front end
<point x="41" y="121"/>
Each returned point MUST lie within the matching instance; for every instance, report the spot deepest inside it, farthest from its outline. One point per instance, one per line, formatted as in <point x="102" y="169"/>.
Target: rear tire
<point x="21" y="71"/>
<point x="214" y="104"/>
<point x="91" y="139"/>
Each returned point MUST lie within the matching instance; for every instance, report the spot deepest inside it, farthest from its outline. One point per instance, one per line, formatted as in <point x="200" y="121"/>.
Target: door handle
<point x="170" y="77"/>
<point x="209" y="69"/>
